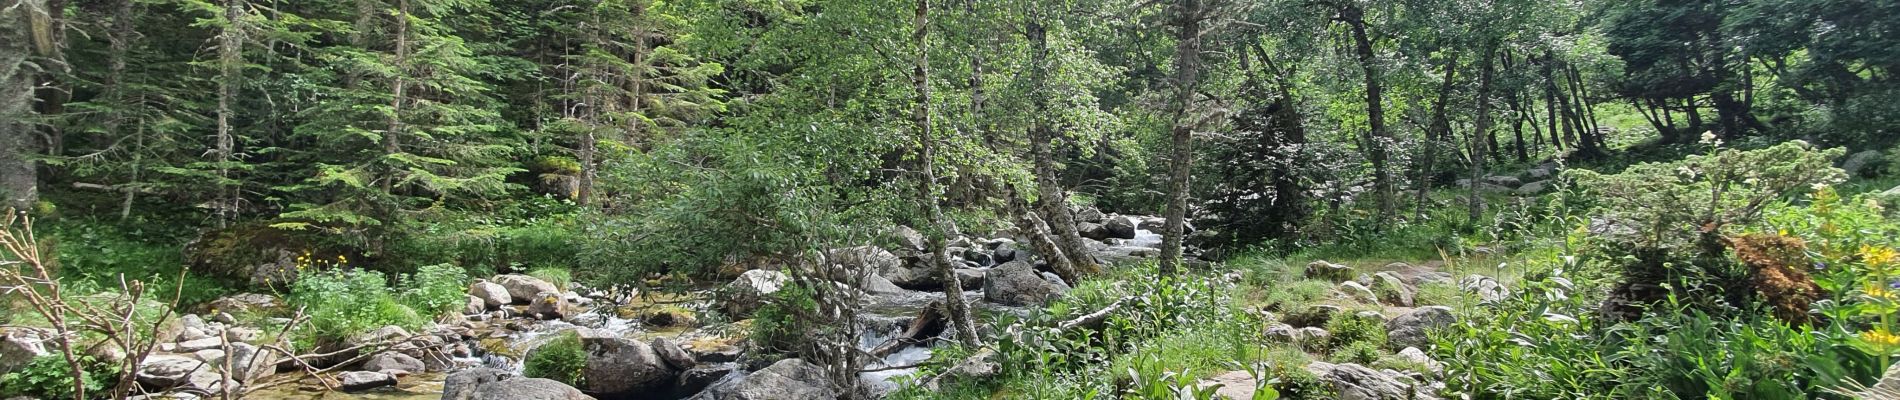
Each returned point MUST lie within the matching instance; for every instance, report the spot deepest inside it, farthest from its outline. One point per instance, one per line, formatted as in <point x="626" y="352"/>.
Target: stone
<point x="1413" y="354"/>
<point x="243" y="334"/>
<point x="526" y="389"/>
<point x="19" y="346"/>
<point x="746" y="293"/>
<point x="1504" y="180"/>
<point x="386" y="334"/>
<point x="358" y="381"/>
<point x="550" y="305"/>
<point x="1356" y="382"/>
<point x="1314" y="315"/>
<point x="1541" y="172"/>
<point x="493" y="295"/>
<point x="1232" y="385"/>
<point x="790" y="378"/>
<point x="1327" y="271"/>
<point x="244" y="303"/>
<point x="678" y="358"/>
<point x="1055" y="279"/>
<point x="878" y="285"/>
<point x="1409" y="329"/>
<point x="909" y="239"/>
<point x="462" y="385"/>
<point x="1093" y="230"/>
<point x="1358" y="292"/>
<point x="1120" y="227"/>
<point x="669" y="317"/>
<point x="1312" y="337"/>
<point x="1017" y="283"/>
<point x="1393" y="290"/>
<point x="394" y="361"/>
<point x="1533" y="188"/>
<point x="619" y="366"/>
<point x="474" y="306"/>
<point x="523" y="288"/>
<point x="1865" y="164"/>
<point x="865" y="258"/>
<point x="250" y="362"/>
<point x="194" y="345"/>
<point x="971" y="278"/>
<point x="697" y="379"/>
<point x="1487" y="289"/>
<point x="1090" y="214"/>
<point x="1281" y="333"/>
<point x="168" y="371"/>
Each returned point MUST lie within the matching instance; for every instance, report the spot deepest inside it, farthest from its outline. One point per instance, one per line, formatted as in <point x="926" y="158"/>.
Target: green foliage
<point x="345" y="302"/>
<point x="557" y="276"/>
<point x="436" y="289"/>
<point x="1362" y="352"/>
<point x="50" y="377"/>
<point x="560" y="359"/>
<point x="1351" y="328"/>
<point x="776" y="326"/>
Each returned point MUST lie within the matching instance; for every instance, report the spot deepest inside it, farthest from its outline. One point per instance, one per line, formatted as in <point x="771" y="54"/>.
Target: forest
<point x="949" y="199"/>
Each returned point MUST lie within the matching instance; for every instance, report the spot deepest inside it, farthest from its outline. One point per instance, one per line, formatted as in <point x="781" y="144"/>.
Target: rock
<point x="1093" y="230"/>
<point x="1327" y="271"/>
<point x="910" y="239"/>
<point x="744" y="295"/>
<point x="194" y="328"/>
<point x="971" y="278"/>
<point x="1864" y="164"/>
<point x="1358" y="292"/>
<point x="1120" y="227"/>
<point x="1356" y="382"/>
<point x="1007" y="252"/>
<point x="865" y="258"/>
<point x="1281" y="333"/>
<point x="1413" y="354"/>
<point x="1232" y="385"/>
<point x="619" y="366"/>
<point x="1315" y="315"/>
<point x="697" y="379"/>
<point x="1541" y="172"/>
<point x="462" y="385"/>
<point x="1055" y="279"/>
<point x="250" y="362"/>
<point x="474" y="306"/>
<point x="193" y="345"/>
<point x="672" y="354"/>
<point x="878" y="285"/>
<point x="357" y="381"/>
<point x="394" y="361"/>
<point x="1090" y="214"/>
<point x="790" y="378"/>
<point x="493" y="295"/>
<point x="1017" y="283"/>
<point x="384" y="334"/>
<point x="668" y="317"/>
<point x="1533" y="188"/>
<point x="523" y="288"/>
<point x="526" y="389"/>
<point x="20" y="345"/>
<point x="244" y="303"/>
<point x="168" y="371"/>
<point x="913" y="273"/>
<point x="549" y="305"/>
<point x="1312" y="337"/>
<point x="982" y="364"/>
<point x="1431" y="277"/>
<point x="1409" y="330"/>
<point x="243" y="334"/>
<point x="1503" y="180"/>
<point x="1487" y="289"/>
<point x="1392" y="290"/>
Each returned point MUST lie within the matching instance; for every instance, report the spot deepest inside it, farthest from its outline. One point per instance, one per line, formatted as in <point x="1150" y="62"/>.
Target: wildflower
<point x="1708" y="138"/>
<point x="1881" y="338"/>
<point x="1876" y="256"/>
<point x="1882" y="292"/>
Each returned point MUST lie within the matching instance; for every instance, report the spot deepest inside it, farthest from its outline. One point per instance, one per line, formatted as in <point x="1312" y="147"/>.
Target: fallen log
<point x="929" y="323"/>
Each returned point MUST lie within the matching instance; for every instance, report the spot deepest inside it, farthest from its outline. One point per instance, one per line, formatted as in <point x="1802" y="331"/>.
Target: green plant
<point x="344" y="302"/>
<point x="1363" y="352"/>
<point x="560" y="277"/>
<point x="776" y="326"/>
<point x="435" y="289"/>
<point x="560" y="359"/>
<point x="1362" y="327"/>
<point x="48" y="377"/>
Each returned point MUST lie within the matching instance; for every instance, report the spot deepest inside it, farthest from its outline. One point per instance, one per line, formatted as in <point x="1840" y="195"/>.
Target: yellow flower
<point x="1876" y="256"/>
<point x="1880" y="338"/>
<point x="1881" y="292"/>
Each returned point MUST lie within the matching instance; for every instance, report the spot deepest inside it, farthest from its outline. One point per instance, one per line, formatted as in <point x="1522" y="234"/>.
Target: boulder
<point x="878" y="285"/>
<point x="523" y="288"/>
<point x="1409" y="330"/>
<point x="169" y="371"/>
<point x="525" y="389"/>
<point x="190" y="346"/>
<point x="394" y="361"/>
<point x="357" y="381"/>
<point x="19" y="346"/>
<point x="1090" y="214"/>
<point x="971" y="278"/>
<point x="1017" y="283"/>
<point x="1504" y="180"/>
<point x="620" y="366"/>
<point x="1533" y="188"/>
<point x="1232" y="385"/>
<point x="668" y="317"/>
<point x="1356" y="382"/>
<point x="745" y="294"/>
<point x="493" y="295"/>
<point x="1413" y="354"/>
<point x="1126" y="254"/>
<point x="1314" y="315"/>
<point x="1281" y="333"/>
<point x="1358" y="292"/>
<point x="1328" y="271"/>
<point x="474" y="306"/>
<point x="909" y="239"/>
<point x="550" y="305"/>
<point x="1864" y="164"/>
<point x="244" y="303"/>
<point x="1393" y="290"/>
<point x="1487" y="289"/>
<point x="248" y="362"/>
<point x="790" y="378"/>
<point x="462" y="385"/>
<point x="1541" y="172"/>
<point x="1093" y="230"/>
<point x="1120" y="227"/>
<point x="913" y="273"/>
<point x="697" y="379"/>
<point x="865" y="258"/>
<point x="678" y="358"/>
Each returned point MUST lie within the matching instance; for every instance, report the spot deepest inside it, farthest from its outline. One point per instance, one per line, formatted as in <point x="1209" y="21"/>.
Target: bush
<point x="1356" y="352"/>
<point x="560" y="359"/>
<point x="436" y="289"/>
<point x="341" y="303"/>
<point x="49" y="377"/>
<point x="776" y="328"/>
<point x="1351" y="328"/>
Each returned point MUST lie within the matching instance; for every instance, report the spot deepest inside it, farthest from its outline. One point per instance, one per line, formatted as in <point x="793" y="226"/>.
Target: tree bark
<point x="1187" y="65"/>
<point x="1439" y="133"/>
<point x="19" y="178"/>
<point x="1486" y="71"/>
<point x="1376" y="138"/>
<point x="230" y="56"/>
<point x="939" y="229"/>
<point x="392" y="139"/>
<point x="1051" y="198"/>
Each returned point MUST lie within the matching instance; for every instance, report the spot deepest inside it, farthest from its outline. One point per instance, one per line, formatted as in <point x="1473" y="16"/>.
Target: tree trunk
<point x="1439" y="133"/>
<point x="939" y="229"/>
<point x="1376" y="137"/>
<point x="1051" y="198"/>
<point x="1486" y="70"/>
<point x="392" y="143"/>
<point x="120" y="39"/>
<point x="19" y="178"/>
<point x="1187" y="65"/>
<point x="230" y="56"/>
<point x="1036" y="231"/>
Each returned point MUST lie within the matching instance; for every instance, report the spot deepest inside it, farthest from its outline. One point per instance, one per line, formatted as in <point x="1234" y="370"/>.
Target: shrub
<point x="1348" y="329"/>
<point x="1357" y="353"/>
<point x="776" y="328"/>
<point x="560" y="277"/>
<point x="341" y="303"/>
<point x="435" y="289"/>
<point x="49" y="377"/>
<point x="560" y="359"/>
